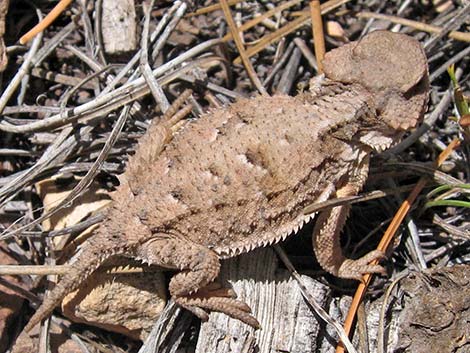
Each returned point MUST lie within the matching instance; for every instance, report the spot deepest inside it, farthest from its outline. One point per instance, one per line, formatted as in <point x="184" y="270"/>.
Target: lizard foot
<point x="355" y="269"/>
<point x="193" y="287"/>
<point x="198" y="303"/>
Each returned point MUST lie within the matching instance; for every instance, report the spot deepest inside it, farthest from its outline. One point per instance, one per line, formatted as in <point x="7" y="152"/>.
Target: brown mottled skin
<point x="239" y="177"/>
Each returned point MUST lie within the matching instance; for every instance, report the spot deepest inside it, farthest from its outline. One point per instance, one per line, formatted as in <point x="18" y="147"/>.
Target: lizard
<point x="239" y="177"/>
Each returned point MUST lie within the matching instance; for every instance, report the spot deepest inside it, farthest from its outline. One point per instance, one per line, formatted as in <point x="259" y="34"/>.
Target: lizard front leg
<point x="150" y="146"/>
<point x="193" y="287"/>
<point x="326" y="234"/>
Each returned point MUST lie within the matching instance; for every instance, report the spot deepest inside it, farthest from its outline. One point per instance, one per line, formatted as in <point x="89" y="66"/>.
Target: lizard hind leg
<point x="86" y="263"/>
<point x="193" y="287"/>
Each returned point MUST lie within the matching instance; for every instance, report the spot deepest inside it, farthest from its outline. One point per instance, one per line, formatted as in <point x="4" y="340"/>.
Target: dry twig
<point x="241" y="49"/>
<point x="317" y="32"/>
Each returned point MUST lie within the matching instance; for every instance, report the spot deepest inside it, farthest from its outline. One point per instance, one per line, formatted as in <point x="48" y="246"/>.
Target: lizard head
<point x="393" y="68"/>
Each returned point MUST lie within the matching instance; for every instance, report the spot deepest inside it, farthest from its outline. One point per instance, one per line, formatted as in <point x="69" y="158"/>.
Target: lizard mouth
<point x="378" y="141"/>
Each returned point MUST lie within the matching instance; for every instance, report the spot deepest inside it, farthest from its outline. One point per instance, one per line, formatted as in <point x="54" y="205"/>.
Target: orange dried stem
<point x="46" y="22"/>
<point x="446" y="153"/>
<point x="317" y="32"/>
<point x="387" y="239"/>
<point x="241" y="49"/>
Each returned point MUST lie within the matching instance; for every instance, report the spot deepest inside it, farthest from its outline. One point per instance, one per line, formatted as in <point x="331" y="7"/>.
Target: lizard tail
<point x="86" y="263"/>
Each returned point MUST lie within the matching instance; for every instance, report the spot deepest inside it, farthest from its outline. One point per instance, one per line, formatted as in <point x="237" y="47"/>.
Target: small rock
<point x="127" y="303"/>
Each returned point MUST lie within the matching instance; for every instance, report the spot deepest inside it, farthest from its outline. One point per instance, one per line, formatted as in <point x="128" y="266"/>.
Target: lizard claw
<point x="237" y="309"/>
<point x="355" y="269"/>
<point x="214" y="297"/>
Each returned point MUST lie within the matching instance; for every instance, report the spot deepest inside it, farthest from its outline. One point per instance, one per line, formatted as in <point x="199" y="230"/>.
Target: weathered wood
<point x="288" y="323"/>
<point x="119" y="26"/>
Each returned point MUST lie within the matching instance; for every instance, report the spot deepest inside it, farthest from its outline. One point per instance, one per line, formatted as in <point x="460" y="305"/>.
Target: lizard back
<point x="239" y="177"/>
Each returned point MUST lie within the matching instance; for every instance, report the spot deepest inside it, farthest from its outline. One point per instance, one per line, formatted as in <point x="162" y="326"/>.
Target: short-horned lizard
<point x="239" y="177"/>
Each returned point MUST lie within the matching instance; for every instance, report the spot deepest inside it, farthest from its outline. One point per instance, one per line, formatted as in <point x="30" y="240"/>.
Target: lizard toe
<point x="234" y="308"/>
<point x="197" y="311"/>
<point x="355" y="269"/>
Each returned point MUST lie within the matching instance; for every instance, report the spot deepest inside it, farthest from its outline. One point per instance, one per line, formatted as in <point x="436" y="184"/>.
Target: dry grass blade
<point x="356" y="199"/>
<point x="241" y="49"/>
<point x="46" y="22"/>
<point x="85" y="182"/>
<point x="212" y="8"/>
<point x="281" y="62"/>
<point x="387" y="239"/>
<point x="145" y="68"/>
<point x="19" y="290"/>
<point x="158" y="29"/>
<point x="317" y="31"/>
<point x="253" y="22"/>
<point x="462" y="36"/>
<point x="36" y="270"/>
<point x="53" y="43"/>
<point x="43" y="270"/>
<point x="59" y="78"/>
<point x="302" y="20"/>
<point x="381" y="333"/>
<point x="288" y="76"/>
<point x="318" y="309"/>
<point x="275" y="36"/>
<point x="308" y="55"/>
<point x="111" y="101"/>
<point x="22" y="72"/>
<point x="455" y="22"/>
<point x="443" y="68"/>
